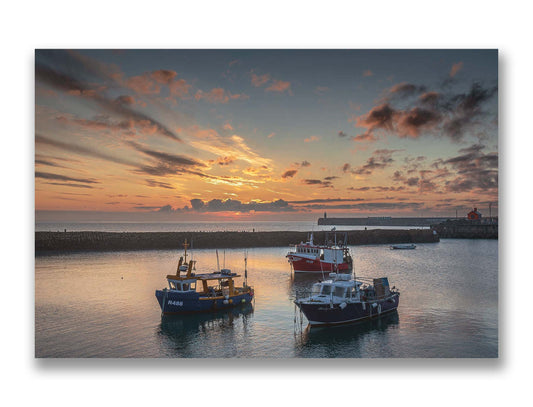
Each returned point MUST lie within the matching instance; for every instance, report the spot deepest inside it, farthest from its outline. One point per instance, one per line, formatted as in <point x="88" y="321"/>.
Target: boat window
<point x="315" y="289"/>
<point x="326" y="289"/>
<point x="339" y="291"/>
<point x="185" y="287"/>
<point x="172" y="285"/>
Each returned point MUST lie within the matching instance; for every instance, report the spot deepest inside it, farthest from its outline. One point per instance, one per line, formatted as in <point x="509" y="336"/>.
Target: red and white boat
<point x="309" y="257"/>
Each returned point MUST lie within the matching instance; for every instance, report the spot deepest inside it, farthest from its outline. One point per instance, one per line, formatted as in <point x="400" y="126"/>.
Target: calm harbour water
<point x="103" y="305"/>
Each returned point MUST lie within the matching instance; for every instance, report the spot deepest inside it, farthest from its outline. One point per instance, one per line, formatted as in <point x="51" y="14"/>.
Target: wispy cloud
<point x="80" y="150"/>
<point x="59" y="177"/>
<point x="66" y="83"/>
<point x="455" y="69"/>
<point x="218" y="95"/>
<point x="279" y="86"/>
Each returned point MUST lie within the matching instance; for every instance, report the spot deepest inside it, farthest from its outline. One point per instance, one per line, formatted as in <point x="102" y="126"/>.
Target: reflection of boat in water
<point x="342" y="299"/>
<point x="179" y="334"/>
<point x="344" y="340"/>
<point x="333" y="256"/>
<point x="191" y="292"/>
<point x="175" y="325"/>
<point x="403" y="247"/>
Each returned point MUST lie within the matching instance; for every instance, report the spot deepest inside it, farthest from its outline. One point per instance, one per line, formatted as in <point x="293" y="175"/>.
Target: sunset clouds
<point x="243" y="133"/>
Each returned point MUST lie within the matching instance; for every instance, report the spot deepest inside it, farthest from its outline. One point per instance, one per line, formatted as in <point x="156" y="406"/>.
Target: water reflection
<point x="448" y="307"/>
<point x="301" y="283"/>
<point x="181" y="332"/>
<point x="333" y="341"/>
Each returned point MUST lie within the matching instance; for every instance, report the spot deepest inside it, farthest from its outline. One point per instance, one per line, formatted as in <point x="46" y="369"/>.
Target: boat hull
<point x="302" y="265"/>
<point x="175" y="303"/>
<point x="319" y="314"/>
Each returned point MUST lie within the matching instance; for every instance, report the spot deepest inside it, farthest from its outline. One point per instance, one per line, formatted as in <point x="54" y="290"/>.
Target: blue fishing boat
<point x="191" y="292"/>
<point x="342" y="299"/>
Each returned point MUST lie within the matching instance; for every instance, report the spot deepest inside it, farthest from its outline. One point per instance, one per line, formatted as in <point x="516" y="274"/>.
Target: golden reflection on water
<point x="103" y="305"/>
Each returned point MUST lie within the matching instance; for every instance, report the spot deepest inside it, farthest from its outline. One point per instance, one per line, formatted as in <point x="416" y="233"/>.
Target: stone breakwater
<point x="466" y="230"/>
<point x="112" y="241"/>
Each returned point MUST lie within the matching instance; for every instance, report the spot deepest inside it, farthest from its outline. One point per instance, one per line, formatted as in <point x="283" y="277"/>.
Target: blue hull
<point x="174" y="303"/>
<point x="324" y="314"/>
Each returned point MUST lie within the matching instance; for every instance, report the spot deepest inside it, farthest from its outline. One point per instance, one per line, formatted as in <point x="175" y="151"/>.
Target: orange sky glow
<point x="242" y="135"/>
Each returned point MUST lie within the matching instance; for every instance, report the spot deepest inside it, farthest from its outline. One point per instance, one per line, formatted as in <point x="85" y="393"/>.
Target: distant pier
<point x="46" y="242"/>
<point x="381" y="221"/>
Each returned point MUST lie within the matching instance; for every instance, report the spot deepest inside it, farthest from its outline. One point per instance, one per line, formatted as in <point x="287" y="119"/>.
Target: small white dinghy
<point x="403" y="246"/>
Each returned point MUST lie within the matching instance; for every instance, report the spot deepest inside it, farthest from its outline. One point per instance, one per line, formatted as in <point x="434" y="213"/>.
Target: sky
<point x="264" y="134"/>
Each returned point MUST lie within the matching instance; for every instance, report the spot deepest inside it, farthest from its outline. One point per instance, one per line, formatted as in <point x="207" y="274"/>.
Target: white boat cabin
<point x="182" y="285"/>
<point x="334" y="255"/>
<point x="328" y="255"/>
<point x="340" y="286"/>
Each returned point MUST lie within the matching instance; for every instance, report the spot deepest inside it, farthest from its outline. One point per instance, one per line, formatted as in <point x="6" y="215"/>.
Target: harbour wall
<point x="380" y="221"/>
<point x="466" y="230"/>
<point x="46" y="242"/>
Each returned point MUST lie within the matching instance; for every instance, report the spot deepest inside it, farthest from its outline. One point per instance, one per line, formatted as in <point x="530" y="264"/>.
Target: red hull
<point x="316" y="266"/>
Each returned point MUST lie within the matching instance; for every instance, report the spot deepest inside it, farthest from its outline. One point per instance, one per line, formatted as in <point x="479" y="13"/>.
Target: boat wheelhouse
<point x="341" y="299"/>
<point x="189" y="292"/>
<point x="308" y="257"/>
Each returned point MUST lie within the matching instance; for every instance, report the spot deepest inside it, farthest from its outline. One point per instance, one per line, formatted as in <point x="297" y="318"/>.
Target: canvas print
<point x="266" y="203"/>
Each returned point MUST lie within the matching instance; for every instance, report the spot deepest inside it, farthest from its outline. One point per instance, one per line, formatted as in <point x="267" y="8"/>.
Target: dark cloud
<point x="327" y="200"/>
<point x="171" y="159"/>
<point x="342" y="134"/>
<point x="450" y="114"/>
<point x="157" y="184"/>
<point x="233" y="205"/>
<point x="429" y="98"/>
<point x="99" y="123"/>
<point x="412" y="122"/>
<point x="70" y="84"/>
<point x="403" y="90"/>
<point x="475" y="170"/>
<point x="379" y="117"/>
<point x="59" y="177"/>
<point x="49" y="163"/>
<point x="64" y="184"/>
<point x="326" y="183"/>
<point x="225" y="160"/>
<point x="166" y="163"/>
<point x="380" y="159"/>
<point x="81" y="150"/>
<point x="386" y="189"/>
<point x="305" y="163"/>
<point x="312" y="181"/>
<point x="289" y="174"/>
<point x="370" y="206"/>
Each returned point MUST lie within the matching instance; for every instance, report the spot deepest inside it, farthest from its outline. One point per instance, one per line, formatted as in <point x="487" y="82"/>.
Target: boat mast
<point x="185" y="245"/>
<point x="245" y="268"/>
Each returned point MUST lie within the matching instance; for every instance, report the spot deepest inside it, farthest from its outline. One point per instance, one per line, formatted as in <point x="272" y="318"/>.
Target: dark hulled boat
<point x="341" y="300"/>
<point x="190" y="292"/>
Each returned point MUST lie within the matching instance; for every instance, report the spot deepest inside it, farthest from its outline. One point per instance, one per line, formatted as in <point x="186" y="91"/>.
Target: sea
<point x="257" y="226"/>
<point x="103" y="305"/>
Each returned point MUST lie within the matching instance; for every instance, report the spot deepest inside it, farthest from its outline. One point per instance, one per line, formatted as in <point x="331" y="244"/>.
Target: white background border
<point x="274" y="24"/>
